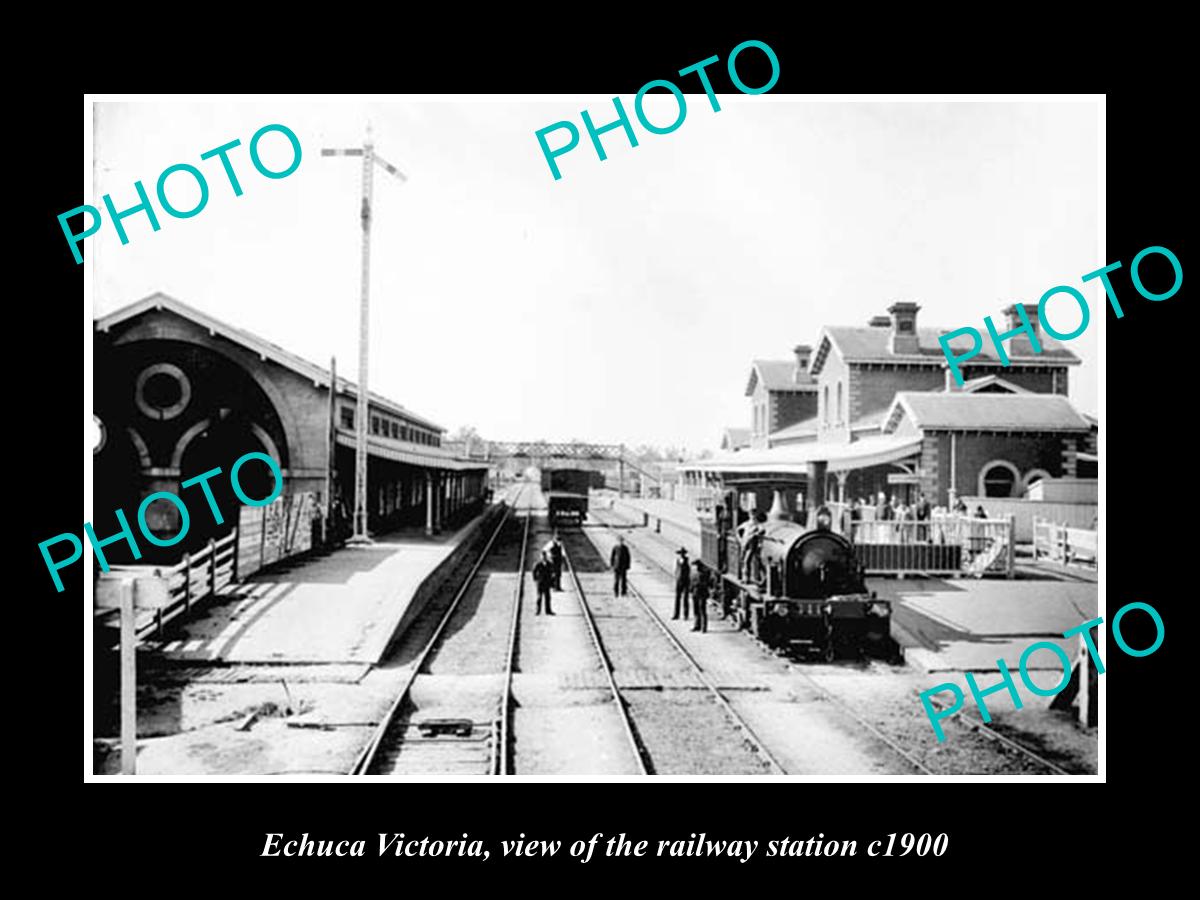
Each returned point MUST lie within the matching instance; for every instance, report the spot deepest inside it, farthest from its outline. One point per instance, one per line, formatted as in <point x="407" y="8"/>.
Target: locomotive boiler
<point x="797" y="587"/>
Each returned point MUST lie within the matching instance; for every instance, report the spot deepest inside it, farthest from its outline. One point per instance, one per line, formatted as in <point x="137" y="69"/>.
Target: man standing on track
<point x="543" y="577"/>
<point x="555" y="549"/>
<point x="683" y="583"/>
<point x="700" y="591"/>
<point x="619" y="560"/>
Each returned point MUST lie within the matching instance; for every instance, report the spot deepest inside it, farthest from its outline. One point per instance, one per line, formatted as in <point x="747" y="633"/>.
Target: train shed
<point x="178" y="392"/>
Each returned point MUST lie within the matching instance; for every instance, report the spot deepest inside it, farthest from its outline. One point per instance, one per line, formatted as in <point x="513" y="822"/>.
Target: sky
<point x="625" y="302"/>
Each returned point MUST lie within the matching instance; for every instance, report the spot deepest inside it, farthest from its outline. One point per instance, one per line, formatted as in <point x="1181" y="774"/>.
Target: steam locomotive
<point x="794" y="586"/>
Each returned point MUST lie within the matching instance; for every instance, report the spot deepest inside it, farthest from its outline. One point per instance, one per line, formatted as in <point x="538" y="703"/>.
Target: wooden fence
<point x="946" y="544"/>
<point x="264" y="535"/>
<point x="170" y="591"/>
<point x="1064" y="544"/>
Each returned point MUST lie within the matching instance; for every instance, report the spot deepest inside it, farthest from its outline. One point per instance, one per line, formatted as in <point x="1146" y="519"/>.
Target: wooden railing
<point x="1062" y="543"/>
<point x="175" y="589"/>
<point x="943" y="544"/>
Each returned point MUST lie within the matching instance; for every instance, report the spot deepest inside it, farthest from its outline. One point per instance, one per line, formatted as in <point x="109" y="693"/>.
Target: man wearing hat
<point x="683" y="583"/>
<point x="619" y="560"/>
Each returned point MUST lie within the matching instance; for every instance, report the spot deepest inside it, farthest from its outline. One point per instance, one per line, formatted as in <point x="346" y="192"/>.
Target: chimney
<point x="1020" y="345"/>
<point x="904" y="328"/>
<point x="880" y="321"/>
<point x="803" y="353"/>
<point x="778" y="511"/>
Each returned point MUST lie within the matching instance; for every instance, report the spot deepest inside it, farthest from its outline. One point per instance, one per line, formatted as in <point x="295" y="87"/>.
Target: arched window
<point x="841" y="413"/>
<point x="825" y="405"/>
<point x="998" y="478"/>
<point x="1032" y="477"/>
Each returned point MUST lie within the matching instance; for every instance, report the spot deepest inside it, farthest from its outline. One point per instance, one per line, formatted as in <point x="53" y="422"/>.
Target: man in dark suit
<point x="701" y="589"/>
<point x="555" y="549"/>
<point x="683" y="583"/>
<point x="543" y="577"/>
<point x="619" y="560"/>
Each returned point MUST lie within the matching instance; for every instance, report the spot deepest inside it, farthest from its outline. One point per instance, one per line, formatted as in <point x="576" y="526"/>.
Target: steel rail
<point x="821" y="689"/>
<point x="982" y="727"/>
<point x="502" y="762"/>
<point x="640" y="753"/>
<point x="367" y="756"/>
<point x="738" y="721"/>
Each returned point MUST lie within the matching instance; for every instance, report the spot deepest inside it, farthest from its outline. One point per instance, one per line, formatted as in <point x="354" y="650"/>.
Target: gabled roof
<point x="733" y="438"/>
<point x="868" y="344"/>
<point x="796" y="431"/>
<point x="869" y="422"/>
<point x="955" y="411"/>
<point x="319" y="376"/>
<point x="986" y="381"/>
<point x="778" y="375"/>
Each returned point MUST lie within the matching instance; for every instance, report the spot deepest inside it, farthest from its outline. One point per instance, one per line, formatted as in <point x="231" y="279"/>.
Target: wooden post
<point x="212" y="565"/>
<point x="1012" y="545"/>
<point x="1088" y="688"/>
<point x="332" y="450"/>
<point x="187" y="583"/>
<point x="262" y="538"/>
<point x="128" y="681"/>
<point x="234" y="571"/>
<point x="428" y="502"/>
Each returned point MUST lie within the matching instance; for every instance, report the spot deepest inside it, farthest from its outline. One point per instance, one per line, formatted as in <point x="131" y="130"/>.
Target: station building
<point x="876" y="409"/>
<point x="177" y="392"/>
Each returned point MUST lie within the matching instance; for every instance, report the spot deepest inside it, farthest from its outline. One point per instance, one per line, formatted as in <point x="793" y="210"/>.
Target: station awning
<point x="412" y="456"/>
<point x="795" y="458"/>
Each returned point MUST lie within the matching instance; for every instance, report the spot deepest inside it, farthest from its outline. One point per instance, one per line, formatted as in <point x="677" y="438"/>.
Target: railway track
<point x="980" y="727"/>
<point x="462" y="743"/>
<point x="669" y="732"/>
<point x="638" y="749"/>
<point x="969" y="722"/>
<point x="822" y="690"/>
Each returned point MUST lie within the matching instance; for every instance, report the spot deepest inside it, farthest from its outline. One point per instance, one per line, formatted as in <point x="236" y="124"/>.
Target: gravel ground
<point x="462" y="675"/>
<point x="680" y="725"/>
<point x="886" y="697"/>
<point x="564" y="721"/>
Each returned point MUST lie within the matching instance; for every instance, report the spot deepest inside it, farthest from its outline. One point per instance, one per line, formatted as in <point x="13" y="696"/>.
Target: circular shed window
<point x="163" y="391"/>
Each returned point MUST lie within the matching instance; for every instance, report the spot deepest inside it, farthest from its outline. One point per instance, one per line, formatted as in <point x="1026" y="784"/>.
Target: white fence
<point x="1062" y="543"/>
<point x="1075" y="515"/>
<point x="945" y="544"/>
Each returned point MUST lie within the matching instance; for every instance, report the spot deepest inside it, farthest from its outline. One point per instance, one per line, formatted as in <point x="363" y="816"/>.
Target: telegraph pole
<point x="369" y="156"/>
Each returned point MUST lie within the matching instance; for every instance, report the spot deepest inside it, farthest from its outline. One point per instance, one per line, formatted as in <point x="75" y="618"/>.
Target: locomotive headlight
<point x="879" y="608"/>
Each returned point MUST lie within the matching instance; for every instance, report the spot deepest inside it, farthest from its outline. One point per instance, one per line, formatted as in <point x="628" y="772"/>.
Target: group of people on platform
<point x="893" y="509"/>
<point x="887" y="519"/>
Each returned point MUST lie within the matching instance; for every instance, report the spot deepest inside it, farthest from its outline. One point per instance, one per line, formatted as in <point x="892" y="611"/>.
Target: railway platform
<point x="966" y="625"/>
<point x="280" y="674"/>
<point x="343" y="608"/>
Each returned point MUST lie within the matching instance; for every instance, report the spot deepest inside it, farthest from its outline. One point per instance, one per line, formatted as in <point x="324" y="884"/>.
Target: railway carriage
<point x="803" y="587"/>
<point x="566" y="493"/>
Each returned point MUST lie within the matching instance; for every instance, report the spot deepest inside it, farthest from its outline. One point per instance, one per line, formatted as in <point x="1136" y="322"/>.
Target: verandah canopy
<point x="795" y="458"/>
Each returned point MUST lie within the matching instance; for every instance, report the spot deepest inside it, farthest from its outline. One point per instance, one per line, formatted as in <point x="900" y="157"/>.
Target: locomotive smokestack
<point x="778" y="511"/>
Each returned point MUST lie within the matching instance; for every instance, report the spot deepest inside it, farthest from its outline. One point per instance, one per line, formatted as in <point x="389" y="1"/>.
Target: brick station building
<point x="875" y="408"/>
<point x="178" y="392"/>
